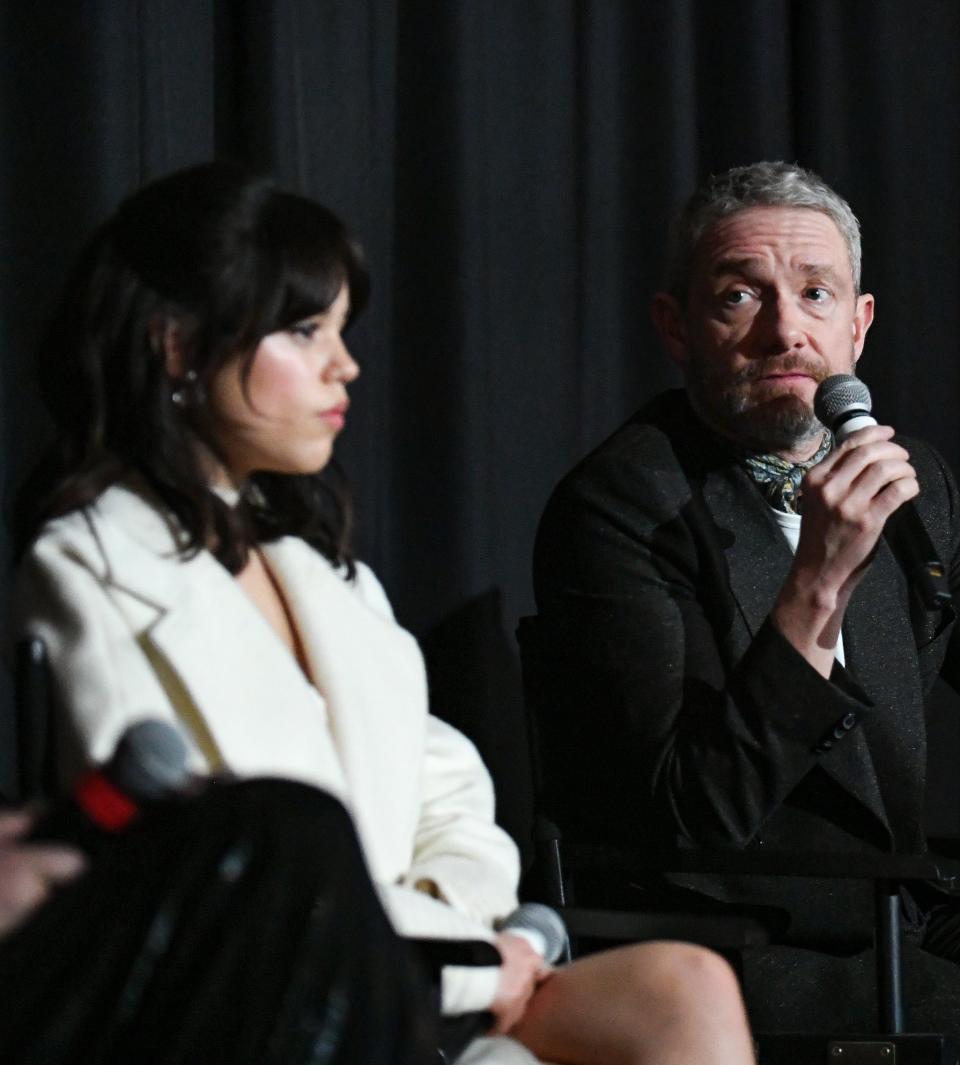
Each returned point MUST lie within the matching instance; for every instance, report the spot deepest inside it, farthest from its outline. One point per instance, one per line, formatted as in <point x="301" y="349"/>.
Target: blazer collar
<point x="135" y="539"/>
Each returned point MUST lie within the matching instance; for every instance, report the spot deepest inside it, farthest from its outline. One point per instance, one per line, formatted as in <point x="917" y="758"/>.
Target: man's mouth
<point x="789" y="371"/>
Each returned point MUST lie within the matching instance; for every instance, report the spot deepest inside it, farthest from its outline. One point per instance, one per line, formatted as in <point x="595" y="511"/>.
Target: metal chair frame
<point x="561" y="860"/>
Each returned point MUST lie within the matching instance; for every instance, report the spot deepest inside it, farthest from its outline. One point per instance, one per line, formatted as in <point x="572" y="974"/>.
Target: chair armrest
<point x="839" y="865"/>
<point x="458" y="1031"/>
<point x="721" y="931"/>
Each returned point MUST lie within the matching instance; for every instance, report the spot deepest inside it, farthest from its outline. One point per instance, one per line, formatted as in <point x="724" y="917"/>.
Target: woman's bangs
<point x="312" y="256"/>
<point x="308" y="288"/>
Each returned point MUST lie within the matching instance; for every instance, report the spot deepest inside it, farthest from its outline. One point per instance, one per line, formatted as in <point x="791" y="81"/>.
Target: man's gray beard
<point x="783" y="423"/>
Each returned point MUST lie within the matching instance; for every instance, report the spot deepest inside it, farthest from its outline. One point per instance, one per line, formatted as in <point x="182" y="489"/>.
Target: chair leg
<point x="888" y="956"/>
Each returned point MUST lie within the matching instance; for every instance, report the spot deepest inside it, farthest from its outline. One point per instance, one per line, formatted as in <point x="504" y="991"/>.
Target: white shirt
<point x="790" y="526"/>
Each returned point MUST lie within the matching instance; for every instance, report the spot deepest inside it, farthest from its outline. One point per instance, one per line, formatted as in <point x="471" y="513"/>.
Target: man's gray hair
<point x="757" y="185"/>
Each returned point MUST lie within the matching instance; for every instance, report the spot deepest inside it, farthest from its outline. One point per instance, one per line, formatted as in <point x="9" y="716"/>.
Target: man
<point x="726" y="674"/>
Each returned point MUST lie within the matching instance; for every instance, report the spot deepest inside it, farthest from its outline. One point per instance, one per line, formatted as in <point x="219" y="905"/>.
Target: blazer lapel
<point x="264" y="717"/>
<point x="370" y="673"/>
<point x="757" y="555"/>
<point x="263" y="714"/>
<point x="880" y="650"/>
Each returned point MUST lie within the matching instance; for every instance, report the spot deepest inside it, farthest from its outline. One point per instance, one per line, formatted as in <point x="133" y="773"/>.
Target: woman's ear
<point x="166" y="341"/>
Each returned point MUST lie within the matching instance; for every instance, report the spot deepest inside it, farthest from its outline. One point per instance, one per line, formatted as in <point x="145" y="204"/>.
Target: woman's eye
<point x="303" y="330"/>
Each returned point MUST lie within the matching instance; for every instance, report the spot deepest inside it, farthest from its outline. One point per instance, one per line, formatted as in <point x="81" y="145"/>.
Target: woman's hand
<point x="28" y="871"/>
<point x="522" y="969"/>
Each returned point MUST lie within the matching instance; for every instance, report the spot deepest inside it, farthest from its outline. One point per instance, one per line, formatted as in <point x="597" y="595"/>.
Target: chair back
<point x="36" y="754"/>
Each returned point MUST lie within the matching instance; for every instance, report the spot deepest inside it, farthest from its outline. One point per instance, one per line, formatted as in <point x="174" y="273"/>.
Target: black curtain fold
<point x="511" y="168"/>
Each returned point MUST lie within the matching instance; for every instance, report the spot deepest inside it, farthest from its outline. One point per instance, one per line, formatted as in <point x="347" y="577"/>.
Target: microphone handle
<point x="904" y="531"/>
<point x="66" y="822"/>
<point x="911" y="545"/>
<point x="96" y="811"/>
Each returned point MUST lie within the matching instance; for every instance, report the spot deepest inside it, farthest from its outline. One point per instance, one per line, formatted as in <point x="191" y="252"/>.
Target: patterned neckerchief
<point x="779" y="480"/>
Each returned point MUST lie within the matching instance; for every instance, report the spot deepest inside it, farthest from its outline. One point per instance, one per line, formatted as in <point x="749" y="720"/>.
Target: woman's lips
<point x="336" y="416"/>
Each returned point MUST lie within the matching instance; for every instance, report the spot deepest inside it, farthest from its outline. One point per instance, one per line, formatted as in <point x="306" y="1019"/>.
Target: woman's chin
<point x="302" y="466"/>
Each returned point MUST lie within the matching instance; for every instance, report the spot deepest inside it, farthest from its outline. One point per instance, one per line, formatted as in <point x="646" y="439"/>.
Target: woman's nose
<point x="343" y="366"/>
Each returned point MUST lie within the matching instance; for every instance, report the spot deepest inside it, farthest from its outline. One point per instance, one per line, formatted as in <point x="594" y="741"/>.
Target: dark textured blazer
<point x="677" y="714"/>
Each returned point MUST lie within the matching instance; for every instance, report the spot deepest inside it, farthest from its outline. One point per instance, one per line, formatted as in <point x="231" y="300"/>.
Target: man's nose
<point x="781" y="323"/>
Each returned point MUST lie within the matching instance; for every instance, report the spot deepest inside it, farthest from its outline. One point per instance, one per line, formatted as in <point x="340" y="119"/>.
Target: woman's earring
<point x="180" y="395"/>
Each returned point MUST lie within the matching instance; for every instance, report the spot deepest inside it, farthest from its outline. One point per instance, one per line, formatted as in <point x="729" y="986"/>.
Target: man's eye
<point x="736" y="297"/>
<point x="817" y="293"/>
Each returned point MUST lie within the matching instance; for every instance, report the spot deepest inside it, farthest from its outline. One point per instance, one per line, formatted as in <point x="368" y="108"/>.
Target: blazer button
<point x="849" y="721"/>
<point x="823" y="746"/>
<point x="839" y="732"/>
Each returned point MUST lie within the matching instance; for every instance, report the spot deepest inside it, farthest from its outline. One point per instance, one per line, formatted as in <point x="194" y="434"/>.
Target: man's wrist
<point x="809" y="617"/>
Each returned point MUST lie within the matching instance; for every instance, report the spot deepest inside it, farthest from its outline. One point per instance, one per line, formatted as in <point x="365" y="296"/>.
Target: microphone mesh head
<point x="840" y="393"/>
<point x="150" y="761"/>
<point x="540" y="918"/>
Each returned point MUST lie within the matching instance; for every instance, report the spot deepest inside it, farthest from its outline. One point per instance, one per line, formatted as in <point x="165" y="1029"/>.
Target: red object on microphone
<point x="104" y="803"/>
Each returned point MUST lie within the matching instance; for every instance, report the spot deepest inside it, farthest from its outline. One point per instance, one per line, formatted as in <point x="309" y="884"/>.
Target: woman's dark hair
<point x="223" y="258"/>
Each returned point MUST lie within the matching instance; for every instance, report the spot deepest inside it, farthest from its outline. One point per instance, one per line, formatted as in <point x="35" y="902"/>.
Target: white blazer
<point x="133" y="632"/>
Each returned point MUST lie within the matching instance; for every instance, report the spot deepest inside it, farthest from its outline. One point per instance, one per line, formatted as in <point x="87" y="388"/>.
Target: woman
<point x="192" y="565"/>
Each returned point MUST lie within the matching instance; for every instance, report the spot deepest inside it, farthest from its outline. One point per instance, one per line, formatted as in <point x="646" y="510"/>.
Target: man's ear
<point x="667" y="314"/>
<point x="862" y="320"/>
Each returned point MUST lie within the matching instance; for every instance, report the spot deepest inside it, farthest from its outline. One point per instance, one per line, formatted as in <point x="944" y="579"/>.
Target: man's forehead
<point x="823" y="267"/>
<point x="806" y="239"/>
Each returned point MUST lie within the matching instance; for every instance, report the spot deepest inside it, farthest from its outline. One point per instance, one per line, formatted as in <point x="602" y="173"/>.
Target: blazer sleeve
<point x="464" y="870"/>
<point x="689" y="732"/>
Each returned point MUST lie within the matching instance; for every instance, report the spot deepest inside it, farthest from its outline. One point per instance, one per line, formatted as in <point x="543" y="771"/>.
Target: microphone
<point x="842" y="402"/>
<point x="541" y="926"/>
<point x="148" y="764"/>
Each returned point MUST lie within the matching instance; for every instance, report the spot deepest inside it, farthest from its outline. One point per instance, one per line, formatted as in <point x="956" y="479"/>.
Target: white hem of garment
<point x="497" y="1050"/>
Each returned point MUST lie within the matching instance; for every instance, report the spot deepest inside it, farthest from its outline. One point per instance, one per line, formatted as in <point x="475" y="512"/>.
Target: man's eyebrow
<point x="824" y="270"/>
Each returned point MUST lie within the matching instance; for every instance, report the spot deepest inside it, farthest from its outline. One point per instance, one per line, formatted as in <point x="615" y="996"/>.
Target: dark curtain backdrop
<point x="510" y="166"/>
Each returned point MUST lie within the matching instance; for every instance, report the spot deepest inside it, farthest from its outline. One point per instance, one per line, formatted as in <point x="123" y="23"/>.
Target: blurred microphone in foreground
<point x="148" y="765"/>
<point x="163" y="924"/>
